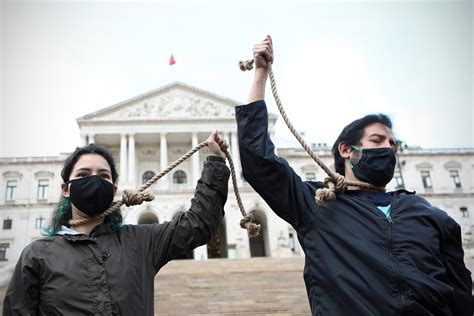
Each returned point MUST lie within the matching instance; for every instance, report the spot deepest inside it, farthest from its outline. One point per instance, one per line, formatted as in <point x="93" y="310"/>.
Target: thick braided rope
<point x="335" y="182"/>
<point x="130" y="198"/>
<point x="247" y="222"/>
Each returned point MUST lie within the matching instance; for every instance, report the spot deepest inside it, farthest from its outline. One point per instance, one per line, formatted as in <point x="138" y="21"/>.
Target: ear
<point x="344" y="150"/>
<point x="115" y="189"/>
<point x="65" y="189"/>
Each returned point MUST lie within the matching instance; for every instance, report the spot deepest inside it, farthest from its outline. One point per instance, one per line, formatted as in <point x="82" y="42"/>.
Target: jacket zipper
<point x="397" y="271"/>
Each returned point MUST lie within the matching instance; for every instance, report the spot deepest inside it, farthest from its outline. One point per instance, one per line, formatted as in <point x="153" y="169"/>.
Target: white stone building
<point x="148" y="132"/>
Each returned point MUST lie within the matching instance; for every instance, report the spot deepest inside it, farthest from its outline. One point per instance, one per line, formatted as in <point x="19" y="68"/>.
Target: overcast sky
<point x="334" y="62"/>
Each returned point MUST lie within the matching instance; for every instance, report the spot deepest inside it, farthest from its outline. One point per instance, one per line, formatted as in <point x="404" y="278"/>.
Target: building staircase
<point x="257" y="286"/>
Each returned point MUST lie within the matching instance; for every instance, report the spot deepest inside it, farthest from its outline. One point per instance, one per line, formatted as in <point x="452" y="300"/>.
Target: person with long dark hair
<point x="104" y="267"/>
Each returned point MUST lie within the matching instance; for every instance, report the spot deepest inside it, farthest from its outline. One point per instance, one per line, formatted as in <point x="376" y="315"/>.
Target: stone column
<point x="164" y="159"/>
<point x="236" y="157"/>
<point x="132" y="172"/>
<point x="91" y="138"/>
<point x="123" y="159"/>
<point x="200" y="253"/>
<point x="83" y="140"/>
<point x="195" y="157"/>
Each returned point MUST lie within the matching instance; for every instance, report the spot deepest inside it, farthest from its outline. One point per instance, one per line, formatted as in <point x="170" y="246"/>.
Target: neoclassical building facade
<point x="147" y="133"/>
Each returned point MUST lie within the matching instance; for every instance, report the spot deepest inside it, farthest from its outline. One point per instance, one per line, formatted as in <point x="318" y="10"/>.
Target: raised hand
<point x="217" y="145"/>
<point x="263" y="53"/>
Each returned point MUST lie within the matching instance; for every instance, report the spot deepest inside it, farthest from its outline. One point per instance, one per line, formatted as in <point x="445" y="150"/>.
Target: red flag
<point x="172" y="61"/>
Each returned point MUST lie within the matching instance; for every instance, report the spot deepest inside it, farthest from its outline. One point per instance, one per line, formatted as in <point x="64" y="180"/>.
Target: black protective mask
<point x="91" y="195"/>
<point x="376" y="165"/>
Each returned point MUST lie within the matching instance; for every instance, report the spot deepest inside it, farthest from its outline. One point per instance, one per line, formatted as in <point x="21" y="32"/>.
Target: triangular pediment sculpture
<point x="176" y="101"/>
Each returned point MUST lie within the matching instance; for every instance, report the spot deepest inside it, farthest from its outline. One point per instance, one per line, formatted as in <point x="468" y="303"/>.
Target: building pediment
<point x="452" y="165"/>
<point x="424" y="165"/>
<point x="12" y="175"/>
<point x="44" y="174"/>
<point x="177" y="101"/>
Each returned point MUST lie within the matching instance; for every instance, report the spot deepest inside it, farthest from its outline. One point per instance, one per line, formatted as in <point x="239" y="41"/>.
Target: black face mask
<point x="91" y="195"/>
<point x="376" y="165"/>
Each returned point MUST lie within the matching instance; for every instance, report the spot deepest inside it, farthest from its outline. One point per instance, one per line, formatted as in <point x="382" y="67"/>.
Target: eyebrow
<point x="392" y="139"/>
<point x="88" y="169"/>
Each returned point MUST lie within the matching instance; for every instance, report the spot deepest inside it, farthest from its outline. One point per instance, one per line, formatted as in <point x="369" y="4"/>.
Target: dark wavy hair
<point x="353" y="133"/>
<point x="63" y="211"/>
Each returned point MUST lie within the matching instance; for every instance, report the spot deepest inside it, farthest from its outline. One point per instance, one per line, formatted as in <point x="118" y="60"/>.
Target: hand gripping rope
<point x="137" y="197"/>
<point x="335" y="182"/>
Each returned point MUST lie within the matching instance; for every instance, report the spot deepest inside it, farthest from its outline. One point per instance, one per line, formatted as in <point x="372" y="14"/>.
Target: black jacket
<point x="113" y="273"/>
<point x="358" y="261"/>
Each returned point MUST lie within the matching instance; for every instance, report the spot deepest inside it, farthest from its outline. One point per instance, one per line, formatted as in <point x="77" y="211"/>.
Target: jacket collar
<point x="72" y="235"/>
<point x="67" y="231"/>
<point x="101" y="229"/>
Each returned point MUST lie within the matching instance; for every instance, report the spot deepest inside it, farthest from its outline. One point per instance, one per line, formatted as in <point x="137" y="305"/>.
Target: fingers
<point x="217" y="145"/>
<point x="223" y="145"/>
<point x="268" y="37"/>
<point x="213" y="136"/>
<point x="211" y="140"/>
<point x="264" y="49"/>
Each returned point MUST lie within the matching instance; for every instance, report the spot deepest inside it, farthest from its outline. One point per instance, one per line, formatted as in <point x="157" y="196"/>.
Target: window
<point x="454" y="174"/>
<point x="7" y="223"/>
<point x="10" y="194"/>
<point x="464" y="211"/>
<point x="43" y="185"/>
<point x="398" y="180"/>
<point x="291" y="241"/>
<point x="310" y="176"/>
<point x="147" y="176"/>
<point x="39" y="223"/>
<point x="3" y="252"/>
<point x="426" y="178"/>
<point x="179" y="177"/>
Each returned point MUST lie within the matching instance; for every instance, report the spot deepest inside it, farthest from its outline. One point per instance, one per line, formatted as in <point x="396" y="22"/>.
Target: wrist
<point x="261" y="74"/>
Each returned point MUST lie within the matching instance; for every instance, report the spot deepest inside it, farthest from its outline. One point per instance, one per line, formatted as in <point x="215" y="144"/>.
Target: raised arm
<point x="199" y="224"/>
<point x="263" y="56"/>
<point x="271" y="176"/>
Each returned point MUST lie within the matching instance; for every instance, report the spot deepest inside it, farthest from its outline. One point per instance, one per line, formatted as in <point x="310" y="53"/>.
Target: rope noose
<point x="335" y="182"/>
<point x="142" y="194"/>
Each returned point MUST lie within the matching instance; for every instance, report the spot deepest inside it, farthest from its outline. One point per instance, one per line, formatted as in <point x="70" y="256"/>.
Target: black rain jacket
<point x="113" y="273"/>
<point x="358" y="261"/>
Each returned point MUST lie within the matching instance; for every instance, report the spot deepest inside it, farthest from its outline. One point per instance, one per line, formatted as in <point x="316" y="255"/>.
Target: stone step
<point x="257" y="286"/>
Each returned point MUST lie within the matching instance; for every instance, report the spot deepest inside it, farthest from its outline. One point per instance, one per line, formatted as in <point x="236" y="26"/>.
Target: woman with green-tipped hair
<point x="103" y="267"/>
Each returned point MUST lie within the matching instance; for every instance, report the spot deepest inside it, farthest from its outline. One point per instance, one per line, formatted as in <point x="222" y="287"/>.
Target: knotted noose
<point x="141" y="195"/>
<point x="335" y="182"/>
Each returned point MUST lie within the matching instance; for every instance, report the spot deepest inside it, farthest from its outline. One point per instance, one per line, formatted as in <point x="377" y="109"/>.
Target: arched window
<point x="179" y="177"/>
<point x="147" y="176"/>
<point x="259" y="244"/>
<point x="148" y="218"/>
<point x="217" y="246"/>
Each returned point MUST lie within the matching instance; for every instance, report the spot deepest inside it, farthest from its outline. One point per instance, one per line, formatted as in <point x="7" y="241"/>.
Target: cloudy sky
<point x="334" y="62"/>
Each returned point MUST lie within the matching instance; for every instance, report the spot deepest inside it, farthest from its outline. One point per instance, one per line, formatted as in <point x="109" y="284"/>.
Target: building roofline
<point x="151" y="93"/>
<point x="322" y="150"/>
